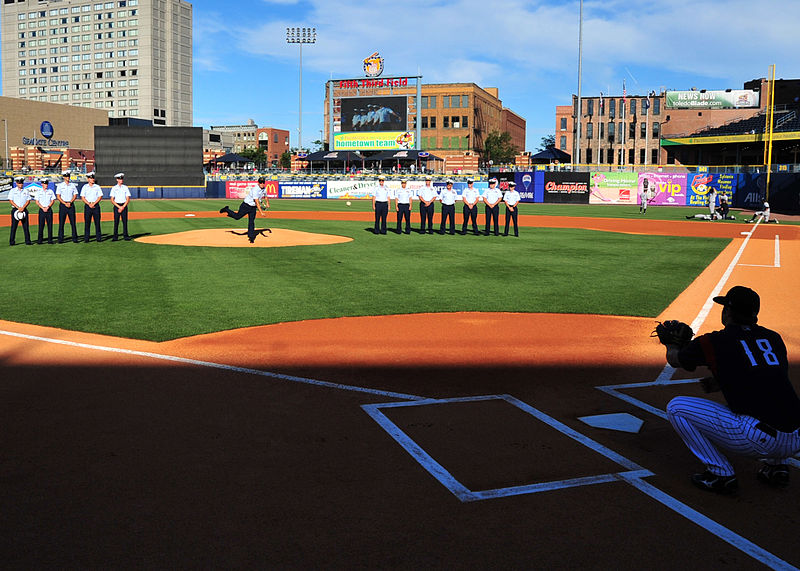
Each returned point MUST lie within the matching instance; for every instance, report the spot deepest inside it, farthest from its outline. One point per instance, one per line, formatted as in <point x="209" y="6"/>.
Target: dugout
<point x="166" y="158"/>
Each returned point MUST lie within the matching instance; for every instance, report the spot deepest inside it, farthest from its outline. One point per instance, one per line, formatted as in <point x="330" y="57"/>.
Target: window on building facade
<point x="610" y="131"/>
<point x="643" y="130"/>
<point x="433" y="122"/>
<point x="424" y="102"/>
<point x="642" y="154"/>
<point x="632" y="131"/>
<point x="424" y="122"/>
<point x="563" y="143"/>
<point x="656" y="106"/>
<point x="610" y="156"/>
<point x="465" y="101"/>
<point x="631" y="156"/>
<point x="588" y="154"/>
<point x="656" y="129"/>
<point x="590" y="107"/>
<point x="563" y="124"/>
<point x="612" y="108"/>
<point x="589" y="130"/>
<point x="654" y="158"/>
<point x="464" y="124"/>
<point x="454" y="122"/>
<point x="620" y="127"/>
<point x="633" y="107"/>
<point x="446" y="102"/>
<point x="600" y="156"/>
<point x="602" y="131"/>
<point x="446" y="122"/>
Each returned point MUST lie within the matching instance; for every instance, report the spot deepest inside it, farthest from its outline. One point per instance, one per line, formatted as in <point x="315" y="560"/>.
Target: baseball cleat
<point x="711" y="482"/>
<point x="774" y="475"/>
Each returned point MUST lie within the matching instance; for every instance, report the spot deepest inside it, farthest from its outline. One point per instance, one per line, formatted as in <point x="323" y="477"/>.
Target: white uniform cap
<point x="91" y="174"/>
<point x="403" y="181"/>
<point x="449" y="181"/>
<point x="66" y="173"/>
<point x="766" y="205"/>
<point x="428" y="177"/>
<point x="470" y="180"/>
<point x="19" y="179"/>
<point x="119" y="175"/>
<point x="492" y="180"/>
<point x="381" y="177"/>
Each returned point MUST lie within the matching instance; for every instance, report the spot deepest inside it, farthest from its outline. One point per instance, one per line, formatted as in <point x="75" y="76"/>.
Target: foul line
<point x="209" y="364"/>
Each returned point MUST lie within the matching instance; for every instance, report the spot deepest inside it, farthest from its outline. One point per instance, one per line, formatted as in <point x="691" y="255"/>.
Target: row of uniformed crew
<point x="66" y="193"/>
<point x="427" y="195"/>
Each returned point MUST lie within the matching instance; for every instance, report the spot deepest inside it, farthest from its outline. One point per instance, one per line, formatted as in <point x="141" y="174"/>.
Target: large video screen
<point x="374" y="114"/>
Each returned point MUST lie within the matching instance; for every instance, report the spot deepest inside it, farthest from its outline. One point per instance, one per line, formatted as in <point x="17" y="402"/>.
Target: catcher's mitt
<point x="673" y="332"/>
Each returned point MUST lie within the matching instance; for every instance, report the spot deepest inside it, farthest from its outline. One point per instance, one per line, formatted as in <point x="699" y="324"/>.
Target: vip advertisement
<point x="566" y="187"/>
<point x="666" y="189"/>
<point x="386" y="141"/>
<point x="700" y="184"/>
<point x="733" y="99"/>
<point x="374" y="114"/>
<point x="239" y="188"/>
<point x="310" y="189"/>
<point x="613" y="188"/>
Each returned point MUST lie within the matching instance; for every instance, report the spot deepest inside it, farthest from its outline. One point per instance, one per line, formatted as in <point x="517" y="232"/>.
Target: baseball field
<point x="331" y="398"/>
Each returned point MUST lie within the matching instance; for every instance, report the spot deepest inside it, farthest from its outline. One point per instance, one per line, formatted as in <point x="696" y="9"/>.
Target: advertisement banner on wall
<point x="239" y="188"/>
<point x="698" y="186"/>
<point x="309" y="189"/>
<point x="350" y="190"/>
<point x="529" y="186"/>
<point x="374" y="113"/>
<point x="733" y="99"/>
<point x="666" y="189"/>
<point x="566" y="187"/>
<point x="613" y="188"/>
<point x="365" y="141"/>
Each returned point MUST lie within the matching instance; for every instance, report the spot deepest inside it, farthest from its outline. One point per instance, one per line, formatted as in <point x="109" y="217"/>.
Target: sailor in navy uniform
<point x="403" y="199"/>
<point x="380" y="204"/>
<point x="512" y="198"/>
<point x="44" y="200"/>
<point x="448" y="199"/>
<point x="249" y="207"/>
<point x="19" y="198"/>
<point x="427" y="196"/>
<point x="120" y="196"/>
<point x="91" y="195"/>
<point x="66" y="193"/>
<point x="470" y="197"/>
<point x="491" y="199"/>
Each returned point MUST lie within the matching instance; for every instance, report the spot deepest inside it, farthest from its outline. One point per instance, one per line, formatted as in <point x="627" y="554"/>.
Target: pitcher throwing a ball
<point x="251" y="204"/>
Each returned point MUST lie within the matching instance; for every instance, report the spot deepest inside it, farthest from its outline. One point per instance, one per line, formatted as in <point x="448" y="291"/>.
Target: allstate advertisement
<point x="666" y="189"/>
<point x="309" y="189"/>
<point x="613" y="188"/>
<point x="700" y="184"/>
<point x="239" y="188"/>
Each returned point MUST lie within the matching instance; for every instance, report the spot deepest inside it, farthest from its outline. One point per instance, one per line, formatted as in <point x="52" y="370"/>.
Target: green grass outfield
<point x="159" y="292"/>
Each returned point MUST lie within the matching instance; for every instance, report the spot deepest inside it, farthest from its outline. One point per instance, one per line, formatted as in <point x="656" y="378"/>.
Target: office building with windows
<point x="130" y="58"/>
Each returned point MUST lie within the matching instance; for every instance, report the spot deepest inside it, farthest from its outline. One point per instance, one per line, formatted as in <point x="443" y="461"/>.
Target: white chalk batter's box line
<point x="633" y="476"/>
<point x="466" y="495"/>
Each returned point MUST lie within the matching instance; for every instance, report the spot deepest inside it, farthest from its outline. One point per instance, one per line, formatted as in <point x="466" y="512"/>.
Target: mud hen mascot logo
<point x="373" y="65"/>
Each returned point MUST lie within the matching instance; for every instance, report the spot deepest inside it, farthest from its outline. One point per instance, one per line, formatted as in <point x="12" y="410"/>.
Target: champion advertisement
<point x="699" y="185"/>
<point x="315" y="189"/>
<point x="566" y="187"/>
<point x="666" y="189"/>
<point x="613" y="188"/>
<point x="239" y="188"/>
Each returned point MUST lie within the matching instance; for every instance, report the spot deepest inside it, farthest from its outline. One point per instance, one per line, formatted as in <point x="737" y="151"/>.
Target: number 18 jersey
<point x="752" y="369"/>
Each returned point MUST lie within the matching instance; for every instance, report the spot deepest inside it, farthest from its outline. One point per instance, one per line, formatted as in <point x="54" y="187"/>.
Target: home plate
<point x="621" y="421"/>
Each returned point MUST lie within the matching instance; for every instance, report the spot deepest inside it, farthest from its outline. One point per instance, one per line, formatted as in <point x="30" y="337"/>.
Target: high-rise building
<point x="131" y="58"/>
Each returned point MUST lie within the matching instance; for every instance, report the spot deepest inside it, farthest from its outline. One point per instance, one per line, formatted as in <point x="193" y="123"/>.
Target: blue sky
<point x="244" y="69"/>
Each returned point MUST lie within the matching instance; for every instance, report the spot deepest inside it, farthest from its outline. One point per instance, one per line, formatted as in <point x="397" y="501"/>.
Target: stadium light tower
<point x="301" y="36"/>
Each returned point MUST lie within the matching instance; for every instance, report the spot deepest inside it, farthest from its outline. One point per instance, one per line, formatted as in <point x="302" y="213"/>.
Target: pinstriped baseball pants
<point x="706" y="427"/>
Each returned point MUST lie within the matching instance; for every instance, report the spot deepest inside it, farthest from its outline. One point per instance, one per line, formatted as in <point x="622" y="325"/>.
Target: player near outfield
<point x="749" y="365"/>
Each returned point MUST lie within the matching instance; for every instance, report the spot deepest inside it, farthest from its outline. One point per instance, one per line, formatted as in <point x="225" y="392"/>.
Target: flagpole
<point x="599" y="122"/>
<point x="577" y="152"/>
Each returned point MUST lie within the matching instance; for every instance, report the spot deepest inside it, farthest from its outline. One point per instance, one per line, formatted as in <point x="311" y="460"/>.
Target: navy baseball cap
<point x="742" y="301"/>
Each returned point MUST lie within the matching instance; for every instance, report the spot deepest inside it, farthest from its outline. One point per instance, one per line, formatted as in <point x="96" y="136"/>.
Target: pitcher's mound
<point x="237" y="238"/>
